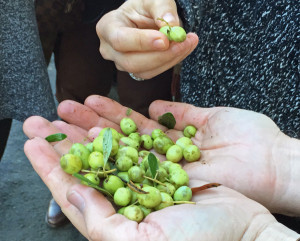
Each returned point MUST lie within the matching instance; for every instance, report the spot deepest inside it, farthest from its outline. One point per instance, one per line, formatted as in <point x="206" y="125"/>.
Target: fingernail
<point x="159" y="44"/>
<point x="169" y="18"/>
<point x="77" y="200"/>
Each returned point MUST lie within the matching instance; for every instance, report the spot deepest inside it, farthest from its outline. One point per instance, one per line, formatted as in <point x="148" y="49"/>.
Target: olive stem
<point x="99" y="172"/>
<point x="154" y="180"/>
<point x="183" y="202"/>
<point x="161" y="19"/>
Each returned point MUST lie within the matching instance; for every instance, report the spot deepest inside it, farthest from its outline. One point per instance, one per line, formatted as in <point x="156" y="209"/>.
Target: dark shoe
<point x="55" y="217"/>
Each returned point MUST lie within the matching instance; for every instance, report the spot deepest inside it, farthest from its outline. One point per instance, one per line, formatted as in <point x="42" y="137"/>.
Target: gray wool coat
<point x="24" y="84"/>
<point x="247" y="57"/>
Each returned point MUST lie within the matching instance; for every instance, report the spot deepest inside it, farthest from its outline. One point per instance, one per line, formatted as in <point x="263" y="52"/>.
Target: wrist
<point x="277" y="232"/>
<point x="265" y="227"/>
<point x="286" y="156"/>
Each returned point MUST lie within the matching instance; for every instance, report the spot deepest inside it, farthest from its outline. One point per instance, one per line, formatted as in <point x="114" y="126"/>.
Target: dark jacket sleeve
<point x="24" y="84"/>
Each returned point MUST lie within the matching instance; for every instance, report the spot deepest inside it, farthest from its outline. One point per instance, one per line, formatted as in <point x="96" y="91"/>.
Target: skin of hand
<point x="219" y="213"/>
<point x="243" y="150"/>
<point x="129" y="36"/>
<point x="240" y="149"/>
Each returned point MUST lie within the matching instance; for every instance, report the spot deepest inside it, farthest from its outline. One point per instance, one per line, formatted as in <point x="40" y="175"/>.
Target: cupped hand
<point x="241" y="149"/>
<point x="129" y="36"/>
<point x="218" y="212"/>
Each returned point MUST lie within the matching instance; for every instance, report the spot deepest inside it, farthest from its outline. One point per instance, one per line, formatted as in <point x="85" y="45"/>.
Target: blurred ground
<point x="23" y="196"/>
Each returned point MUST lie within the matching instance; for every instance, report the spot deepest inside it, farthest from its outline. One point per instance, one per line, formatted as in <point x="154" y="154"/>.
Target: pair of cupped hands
<point x="242" y="150"/>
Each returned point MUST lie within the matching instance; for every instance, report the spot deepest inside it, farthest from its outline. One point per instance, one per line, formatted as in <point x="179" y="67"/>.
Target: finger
<point x="163" y="9"/>
<point x="176" y="48"/>
<point x="37" y="126"/>
<point x="126" y="39"/>
<point x="184" y="114"/>
<point x="45" y="161"/>
<point x="115" y="112"/>
<point x="100" y="215"/>
<point x="74" y="133"/>
<point x="82" y="116"/>
<point x="139" y="62"/>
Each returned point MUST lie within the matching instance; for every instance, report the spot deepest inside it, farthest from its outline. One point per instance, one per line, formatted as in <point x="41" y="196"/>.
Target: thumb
<point x="166" y="10"/>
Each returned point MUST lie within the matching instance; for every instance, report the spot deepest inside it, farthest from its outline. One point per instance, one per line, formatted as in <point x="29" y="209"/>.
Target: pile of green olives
<point x="127" y="175"/>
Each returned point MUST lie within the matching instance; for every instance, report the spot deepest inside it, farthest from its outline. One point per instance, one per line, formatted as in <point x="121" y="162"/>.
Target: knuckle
<point x="116" y="40"/>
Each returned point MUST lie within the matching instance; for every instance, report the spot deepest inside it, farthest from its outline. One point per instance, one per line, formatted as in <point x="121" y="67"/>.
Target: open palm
<point x="238" y="149"/>
<point x="219" y="213"/>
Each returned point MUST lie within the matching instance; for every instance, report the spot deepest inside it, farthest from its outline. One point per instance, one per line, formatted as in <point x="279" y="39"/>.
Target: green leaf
<point x="167" y="120"/>
<point x="152" y="161"/>
<point x="90" y="184"/>
<point x="128" y="112"/>
<point x="56" y="137"/>
<point x="107" y="145"/>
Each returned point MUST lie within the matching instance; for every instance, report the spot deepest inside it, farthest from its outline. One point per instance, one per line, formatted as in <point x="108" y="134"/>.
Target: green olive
<point x="145" y="210"/>
<point x="166" y="201"/>
<point x="184" y="141"/>
<point x="174" y="153"/>
<point x="183" y="193"/>
<point x="143" y="153"/>
<point x="133" y="196"/>
<point x="135" y="136"/>
<point x="129" y="151"/>
<point x="96" y="160"/>
<point x="156" y="133"/>
<point x="162" y="143"/>
<point x="128" y="126"/>
<point x="124" y="163"/>
<point x="89" y="146"/>
<point x="122" y="196"/>
<point x="121" y="210"/>
<point x="151" y="199"/>
<point x="112" y="184"/>
<point x="82" y="152"/>
<point x="70" y="163"/>
<point x="126" y="141"/>
<point x="161" y="174"/>
<point x="166" y="31"/>
<point x="98" y="145"/>
<point x="92" y="177"/>
<point x="173" y="167"/>
<point x="177" y="34"/>
<point x="167" y="188"/>
<point x="191" y="153"/>
<point x="166" y="165"/>
<point x="189" y="131"/>
<point x="179" y="178"/>
<point x="136" y="174"/>
<point x="114" y="132"/>
<point x="147" y="142"/>
<point x="134" y="213"/>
